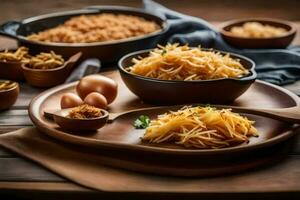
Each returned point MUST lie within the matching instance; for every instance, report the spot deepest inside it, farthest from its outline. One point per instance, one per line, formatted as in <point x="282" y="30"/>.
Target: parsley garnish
<point x="142" y="122"/>
<point x="163" y="52"/>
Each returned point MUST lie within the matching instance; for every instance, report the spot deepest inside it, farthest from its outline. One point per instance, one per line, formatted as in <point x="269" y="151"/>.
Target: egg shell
<point x="98" y="83"/>
<point x="70" y="100"/>
<point x="96" y="99"/>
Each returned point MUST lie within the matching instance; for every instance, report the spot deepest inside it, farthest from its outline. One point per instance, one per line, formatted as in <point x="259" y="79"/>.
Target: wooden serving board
<point x="119" y="141"/>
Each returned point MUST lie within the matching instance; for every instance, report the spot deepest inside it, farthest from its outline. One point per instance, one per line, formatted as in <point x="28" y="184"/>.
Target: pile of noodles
<point x="174" y="62"/>
<point x="200" y="127"/>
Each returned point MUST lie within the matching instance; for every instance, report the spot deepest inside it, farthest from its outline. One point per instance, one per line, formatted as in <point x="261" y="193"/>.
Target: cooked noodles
<point x="200" y="127"/>
<point x="174" y="62"/>
<point x="20" y="55"/>
<point x="6" y="85"/>
<point x="46" y="61"/>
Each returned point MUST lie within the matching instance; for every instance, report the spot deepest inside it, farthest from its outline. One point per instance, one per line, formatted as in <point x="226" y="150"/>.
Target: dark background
<point x="212" y="10"/>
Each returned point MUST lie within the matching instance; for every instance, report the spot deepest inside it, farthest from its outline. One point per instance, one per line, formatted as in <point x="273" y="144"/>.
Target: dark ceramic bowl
<point x="8" y="97"/>
<point x="258" y="43"/>
<point x="165" y="92"/>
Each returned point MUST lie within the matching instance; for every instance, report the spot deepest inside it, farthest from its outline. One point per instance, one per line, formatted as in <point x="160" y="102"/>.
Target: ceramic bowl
<point x="168" y="92"/>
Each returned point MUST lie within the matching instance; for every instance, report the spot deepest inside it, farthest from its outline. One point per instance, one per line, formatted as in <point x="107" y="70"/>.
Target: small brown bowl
<point x="259" y="43"/>
<point x="92" y="124"/>
<point x="11" y="71"/>
<point x="50" y="77"/>
<point x="168" y="92"/>
<point x="8" y="97"/>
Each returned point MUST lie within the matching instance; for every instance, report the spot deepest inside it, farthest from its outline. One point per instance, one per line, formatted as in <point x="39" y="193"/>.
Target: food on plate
<point x="45" y="61"/>
<point x="174" y="62"/>
<point x="97" y="28"/>
<point x="85" y="112"/>
<point x="257" y="30"/>
<point x="98" y="83"/>
<point x="200" y="127"/>
<point x="20" y="55"/>
<point x="96" y="99"/>
<point x="70" y="100"/>
<point x="6" y="85"/>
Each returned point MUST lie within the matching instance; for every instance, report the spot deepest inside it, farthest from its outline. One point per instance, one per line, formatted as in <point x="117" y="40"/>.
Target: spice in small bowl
<point x="11" y="61"/>
<point x="85" y="112"/>
<point x="81" y="118"/>
<point x="9" y="91"/>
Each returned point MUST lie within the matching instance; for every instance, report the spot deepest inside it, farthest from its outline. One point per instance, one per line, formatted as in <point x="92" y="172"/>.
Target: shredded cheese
<point x="201" y="127"/>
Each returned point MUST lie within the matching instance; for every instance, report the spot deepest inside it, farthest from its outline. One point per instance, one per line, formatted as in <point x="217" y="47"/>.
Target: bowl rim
<point x="164" y="26"/>
<point x="10" y="89"/>
<point x="224" y="25"/>
<point x="249" y="77"/>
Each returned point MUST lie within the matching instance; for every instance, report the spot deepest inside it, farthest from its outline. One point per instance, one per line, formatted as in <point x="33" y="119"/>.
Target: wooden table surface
<point x="23" y="178"/>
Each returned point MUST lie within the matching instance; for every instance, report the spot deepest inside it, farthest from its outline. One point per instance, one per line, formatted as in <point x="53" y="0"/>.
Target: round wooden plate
<point x="120" y="141"/>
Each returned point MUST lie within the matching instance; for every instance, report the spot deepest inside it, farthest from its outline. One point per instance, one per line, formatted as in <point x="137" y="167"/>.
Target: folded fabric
<point x="278" y="66"/>
<point x="87" y="67"/>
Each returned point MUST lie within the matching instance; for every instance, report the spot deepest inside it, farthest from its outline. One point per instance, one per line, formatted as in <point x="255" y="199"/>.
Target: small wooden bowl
<point x="8" y="97"/>
<point x="11" y="71"/>
<point x="259" y="43"/>
<point x="66" y="123"/>
<point x="50" y="77"/>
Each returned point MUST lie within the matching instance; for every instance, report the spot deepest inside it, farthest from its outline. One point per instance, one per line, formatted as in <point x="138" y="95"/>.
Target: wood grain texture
<point x="18" y="169"/>
<point x="260" y="180"/>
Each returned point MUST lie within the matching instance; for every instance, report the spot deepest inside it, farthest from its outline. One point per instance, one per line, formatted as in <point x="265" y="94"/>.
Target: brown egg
<point x="96" y="99"/>
<point x="70" y="100"/>
<point x="98" y="83"/>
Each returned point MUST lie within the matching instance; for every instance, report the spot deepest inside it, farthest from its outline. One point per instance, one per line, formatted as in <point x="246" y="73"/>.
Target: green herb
<point x="142" y="122"/>
<point x="163" y="52"/>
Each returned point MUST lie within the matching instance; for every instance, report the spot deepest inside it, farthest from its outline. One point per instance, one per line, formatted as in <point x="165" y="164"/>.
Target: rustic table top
<point x="19" y="176"/>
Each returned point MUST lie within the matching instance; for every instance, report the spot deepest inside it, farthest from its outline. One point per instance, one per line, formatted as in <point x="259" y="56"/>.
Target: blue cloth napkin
<point x="277" y="66"/>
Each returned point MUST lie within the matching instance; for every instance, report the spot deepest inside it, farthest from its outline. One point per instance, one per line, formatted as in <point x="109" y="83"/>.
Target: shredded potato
<point x="200" y="127"/>
<point x="20" y="55"/>
<point x="45" y="61"/>
<point x="6" y="85"/>
<point x="257" y="30"/>
<point x="174" y="62"/>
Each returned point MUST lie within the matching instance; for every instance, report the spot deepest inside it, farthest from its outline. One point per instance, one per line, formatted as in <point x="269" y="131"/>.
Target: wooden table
<point x="20" y="177"/>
